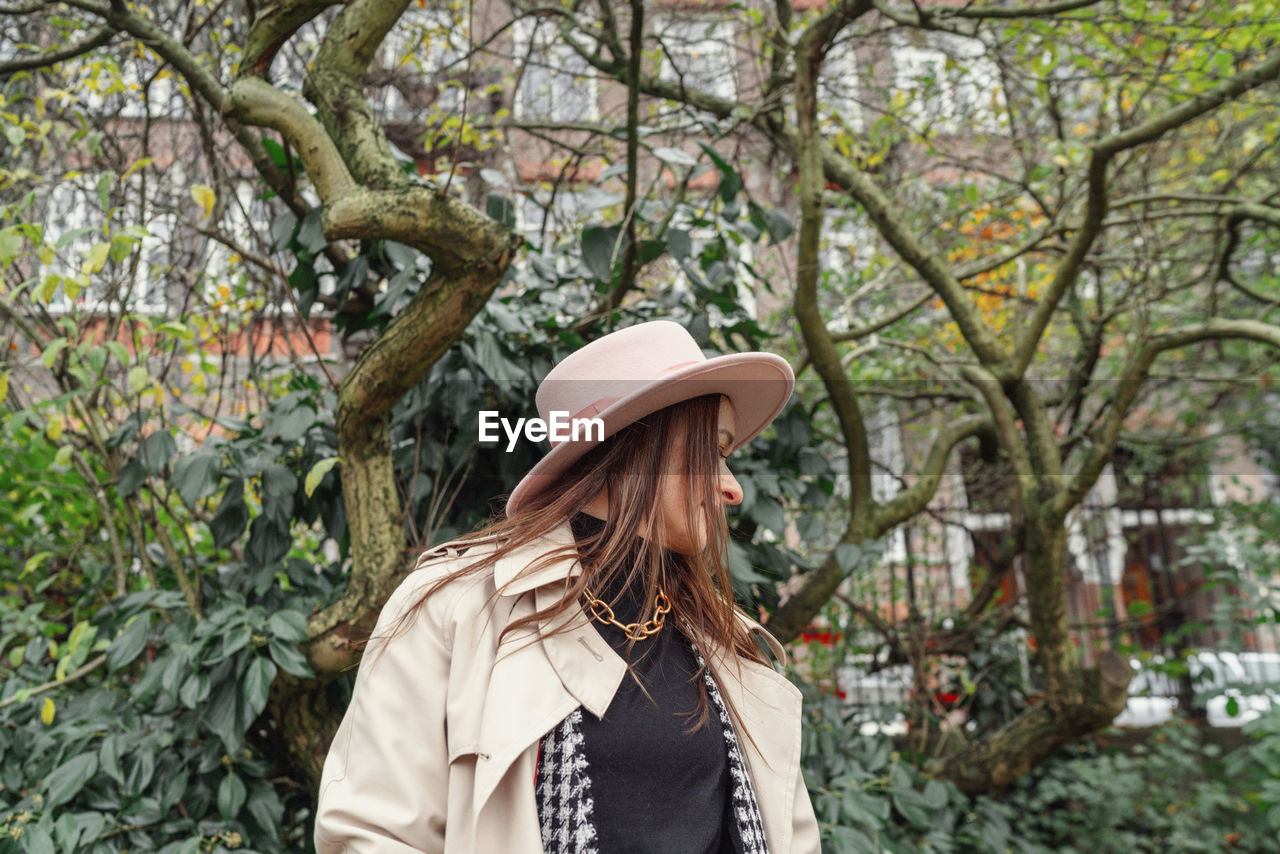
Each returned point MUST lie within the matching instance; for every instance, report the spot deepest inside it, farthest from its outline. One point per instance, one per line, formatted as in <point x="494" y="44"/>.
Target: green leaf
<point x="278" y="482"/>
<point x="37" y="840"/>
<point x="317" y="473"/>
<point x="266" y="809"/>
<point x="674" y="157"/>
<point x="50" y="354"/>
<point x="68" y="779"/>
<point x="289" y="626"/>
<point x="68" y="237"/>
<point x="109" y="757"/>
<point x="129" y="644"/>
<point x="730" y="180"/>
<point x="138" y="379"/>
<point x="221" y="714"/>
<point x="292" y="425"/>
<point x="911" y="805"/>
<point x="935" y="795"/>
<point x="847" y="557"/>
<point x="863" y="809"/>
<point x="157" y="449"/>
<point x="257" y="685"/>
<point x="768" y="512"/>
<point x="598" y="245"/>
<point x="132" y="475"/>
<point x="679" y="244"/>
<point x="142" y="768"/>
<point x="196" y="476"/>
<point x="231" y="795"/>
<point x="501" y="208"/>
<point x="849" y="840"/>
<point x="778" y="223"/>
<point x="311" y="234"/>
<point x="106" y="181"/>
<point x="120" y="248"/>
<point x="282" y="229"/>
<point x="290" y="659"/>
<point x="33" y="563"/>
<point x="231" y="517"/>
<point x="268" y="542"/>
<point x="194" y="690"/>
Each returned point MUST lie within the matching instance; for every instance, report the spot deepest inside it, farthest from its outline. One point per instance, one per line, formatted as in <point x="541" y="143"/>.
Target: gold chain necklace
<point x="600" y="611"/>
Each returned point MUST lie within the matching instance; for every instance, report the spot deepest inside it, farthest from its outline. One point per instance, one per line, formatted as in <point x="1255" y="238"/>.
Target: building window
<point x="556" y="84"/>
<point x="542" y="217"/>
<point x="884" y="445"/>
<point x="838" y="91"/>
<point x="848" y="244"/>
<point x="698" y="55"/>
<point x="71" y="227"/>
<point x="158" y="248"/>
<point x="164" y="96"/>
<point x="425" y="62"/>
<point x="948" y="83"/>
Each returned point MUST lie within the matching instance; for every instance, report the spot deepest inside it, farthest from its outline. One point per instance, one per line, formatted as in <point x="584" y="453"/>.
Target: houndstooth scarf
<point x="563" y="785"/>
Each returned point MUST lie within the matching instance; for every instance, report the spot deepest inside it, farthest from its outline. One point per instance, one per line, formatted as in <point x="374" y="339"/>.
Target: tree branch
<point x="43" y="60"/>
<point x="1102" y="152"/>
<point x="1135" y="372"/>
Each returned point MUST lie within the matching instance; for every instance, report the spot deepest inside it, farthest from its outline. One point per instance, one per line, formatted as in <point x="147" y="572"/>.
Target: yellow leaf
<point x="317" y="473"/>
<point x="45" y="253"/>
<point x="4" y="386"/>
<point x="137" y="164"/>
<point x="138" y="379"/>
<point x="74" y="285"/>
<point x="204" y="197"/>
<point x="97" y="258"/>
<point x="46" y="712"/>
<point x="1220" y="176"/>
<point x="54" y="429"/>
<point x="47" y="287"/>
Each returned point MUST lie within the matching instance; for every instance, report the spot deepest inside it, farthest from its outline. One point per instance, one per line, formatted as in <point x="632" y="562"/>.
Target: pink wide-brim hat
<point x="636" y="371"/>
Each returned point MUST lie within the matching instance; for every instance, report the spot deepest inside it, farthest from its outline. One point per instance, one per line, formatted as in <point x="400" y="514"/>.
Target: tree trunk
<point x="1076" y="702"/>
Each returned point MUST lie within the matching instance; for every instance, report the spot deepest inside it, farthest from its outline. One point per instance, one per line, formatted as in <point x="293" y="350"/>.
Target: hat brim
<point x="757" y="384"/>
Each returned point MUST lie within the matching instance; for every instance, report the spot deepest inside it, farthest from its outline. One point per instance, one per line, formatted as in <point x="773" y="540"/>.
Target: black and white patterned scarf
<point x="563" y="785"/>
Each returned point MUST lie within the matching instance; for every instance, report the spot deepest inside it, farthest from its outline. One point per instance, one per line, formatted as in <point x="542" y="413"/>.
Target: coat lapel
<point x="769" y="707"/>
<point x="534" y="685"/>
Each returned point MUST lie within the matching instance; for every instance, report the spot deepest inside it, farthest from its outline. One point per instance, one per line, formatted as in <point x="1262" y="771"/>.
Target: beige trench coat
<point x="437" y="751"/>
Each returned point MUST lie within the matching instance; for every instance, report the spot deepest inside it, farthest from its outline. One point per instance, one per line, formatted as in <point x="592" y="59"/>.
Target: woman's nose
<point x="730" y="489"/>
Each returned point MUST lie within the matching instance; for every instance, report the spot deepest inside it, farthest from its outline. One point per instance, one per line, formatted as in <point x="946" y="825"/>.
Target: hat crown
<point x="609" y="368"/>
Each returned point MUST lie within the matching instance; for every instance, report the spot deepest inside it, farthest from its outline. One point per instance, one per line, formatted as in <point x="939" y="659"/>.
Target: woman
<point x="575" y="677"/>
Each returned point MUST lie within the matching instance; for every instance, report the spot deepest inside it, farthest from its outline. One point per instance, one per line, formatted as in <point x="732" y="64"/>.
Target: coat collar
<point x="512" y="579"/>
<point x="509" y="571"/>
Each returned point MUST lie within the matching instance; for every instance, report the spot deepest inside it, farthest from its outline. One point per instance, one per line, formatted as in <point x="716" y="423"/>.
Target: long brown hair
<point x="678" y="440"/>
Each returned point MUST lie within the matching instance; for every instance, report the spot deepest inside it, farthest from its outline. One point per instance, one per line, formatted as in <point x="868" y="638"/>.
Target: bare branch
<point x="44" y="60"/>
<point x="916" y="497"/>
<point x="1136" y="370"/>
<point x="1096" y="206"/>
<point x="920" y="16"/>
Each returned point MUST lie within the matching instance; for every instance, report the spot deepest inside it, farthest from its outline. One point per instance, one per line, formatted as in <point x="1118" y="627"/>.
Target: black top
<point x="655" y="787"/>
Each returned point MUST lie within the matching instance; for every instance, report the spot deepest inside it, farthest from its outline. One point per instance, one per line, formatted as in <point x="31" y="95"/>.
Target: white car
<point x="1233" y="688"/>
<point x="1152" y="698"/>
<point x="880" y="695"/>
